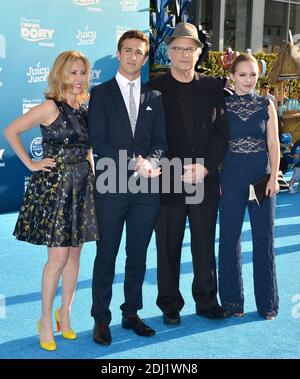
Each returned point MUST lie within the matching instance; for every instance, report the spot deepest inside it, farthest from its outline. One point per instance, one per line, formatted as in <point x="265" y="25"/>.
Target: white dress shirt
<point x="124" y="87"/>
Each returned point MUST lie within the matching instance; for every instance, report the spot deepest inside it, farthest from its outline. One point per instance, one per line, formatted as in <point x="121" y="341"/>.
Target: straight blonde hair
<point x="58" y="82"/>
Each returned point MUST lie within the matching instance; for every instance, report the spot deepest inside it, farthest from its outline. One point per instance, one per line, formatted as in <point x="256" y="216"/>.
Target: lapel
<point x="142" y="107"/>
<point x="120" y="104"/>
<point x="197" y="104"/>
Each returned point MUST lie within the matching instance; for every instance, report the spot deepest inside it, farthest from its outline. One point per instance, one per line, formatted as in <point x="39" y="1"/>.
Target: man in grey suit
<point x="125" y="115"/>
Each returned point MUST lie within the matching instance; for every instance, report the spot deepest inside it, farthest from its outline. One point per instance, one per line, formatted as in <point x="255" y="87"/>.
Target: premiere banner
<point x="32" y="34"/>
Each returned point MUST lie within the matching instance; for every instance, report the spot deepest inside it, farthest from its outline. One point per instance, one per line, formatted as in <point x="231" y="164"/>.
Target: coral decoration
<point x="226" y="60"/>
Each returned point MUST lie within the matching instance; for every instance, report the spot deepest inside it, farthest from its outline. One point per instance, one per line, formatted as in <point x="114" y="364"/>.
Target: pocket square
<point x="148" y="108"/>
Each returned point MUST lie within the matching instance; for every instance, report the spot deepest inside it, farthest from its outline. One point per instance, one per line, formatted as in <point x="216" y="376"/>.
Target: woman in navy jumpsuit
<point x="253" y="152"/>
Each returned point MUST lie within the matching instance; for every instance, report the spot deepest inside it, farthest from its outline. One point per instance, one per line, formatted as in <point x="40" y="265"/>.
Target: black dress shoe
<point x="214" y="312"/>
<point x="137" y="325"/>
<point x="171" y="317"/>
<point x="101" y="334"/>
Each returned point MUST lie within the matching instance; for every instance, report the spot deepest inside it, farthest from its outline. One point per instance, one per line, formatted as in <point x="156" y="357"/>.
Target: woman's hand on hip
<point x="43" y="165"/>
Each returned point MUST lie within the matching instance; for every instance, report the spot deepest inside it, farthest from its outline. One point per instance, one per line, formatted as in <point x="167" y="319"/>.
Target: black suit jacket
<point x="109" y="125"/>
<point x="210" y="131"/>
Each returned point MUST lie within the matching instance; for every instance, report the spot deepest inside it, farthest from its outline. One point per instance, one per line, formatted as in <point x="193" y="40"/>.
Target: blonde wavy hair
<point x="58" y="78"/>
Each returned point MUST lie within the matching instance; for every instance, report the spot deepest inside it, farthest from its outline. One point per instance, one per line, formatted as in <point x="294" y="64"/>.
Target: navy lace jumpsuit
<point x="246" y="161"/>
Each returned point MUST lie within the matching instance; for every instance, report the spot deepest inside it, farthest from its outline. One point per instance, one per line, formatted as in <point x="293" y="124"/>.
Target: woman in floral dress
<point x="58" y="207"/>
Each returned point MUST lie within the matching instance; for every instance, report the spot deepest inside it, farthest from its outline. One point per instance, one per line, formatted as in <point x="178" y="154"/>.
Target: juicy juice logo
<point x="37" y="74"/>
<point x="86" y="36"/>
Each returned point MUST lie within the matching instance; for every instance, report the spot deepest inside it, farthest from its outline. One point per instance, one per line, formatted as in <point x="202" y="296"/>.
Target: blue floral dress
<point x="58" y="208"/>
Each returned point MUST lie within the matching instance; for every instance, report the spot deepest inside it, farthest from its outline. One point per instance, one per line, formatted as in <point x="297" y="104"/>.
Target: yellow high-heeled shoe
<point x="71" y="335"/>
<point x="50" y="346"/>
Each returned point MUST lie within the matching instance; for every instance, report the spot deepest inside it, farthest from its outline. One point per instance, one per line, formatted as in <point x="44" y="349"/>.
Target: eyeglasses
<point x="181" y="50"/>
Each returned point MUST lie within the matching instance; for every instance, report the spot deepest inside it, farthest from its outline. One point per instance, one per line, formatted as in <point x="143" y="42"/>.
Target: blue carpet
<point x="21" y="266"/>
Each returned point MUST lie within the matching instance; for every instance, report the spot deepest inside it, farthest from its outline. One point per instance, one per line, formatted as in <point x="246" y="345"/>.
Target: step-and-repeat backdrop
<point x="32" y="34"/>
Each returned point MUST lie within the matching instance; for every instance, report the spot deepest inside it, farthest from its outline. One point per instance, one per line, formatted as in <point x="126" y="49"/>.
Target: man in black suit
<point x="125" y="115"/>
<point x="196" y="128"/>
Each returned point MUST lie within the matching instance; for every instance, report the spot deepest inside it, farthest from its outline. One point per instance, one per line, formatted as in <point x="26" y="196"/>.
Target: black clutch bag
<point x="257" y="190"/>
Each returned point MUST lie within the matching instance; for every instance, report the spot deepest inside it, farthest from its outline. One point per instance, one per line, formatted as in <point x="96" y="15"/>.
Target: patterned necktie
<point x="132" y="108"/>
